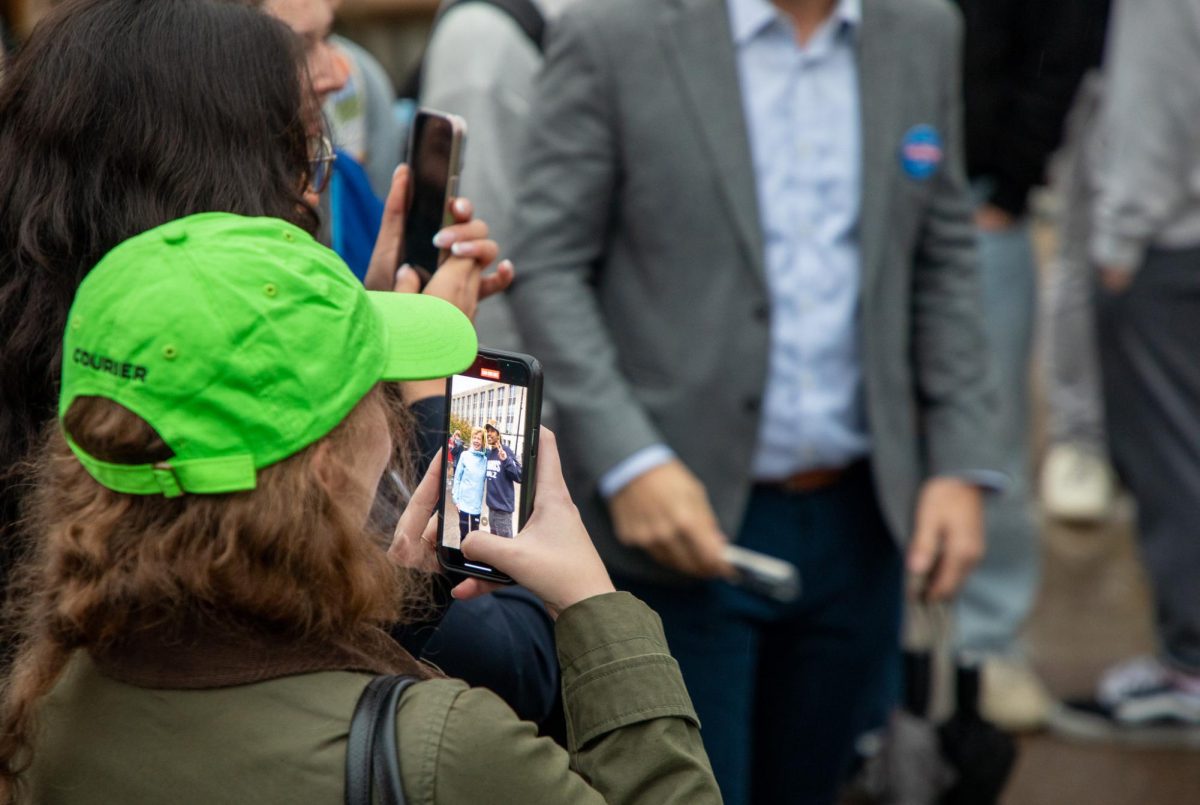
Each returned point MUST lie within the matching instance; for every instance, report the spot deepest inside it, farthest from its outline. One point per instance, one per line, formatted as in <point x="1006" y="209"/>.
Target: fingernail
<point x="403" y="271"/>
<point x="442" y="239"/>
<point x="462" y="249"/>
<point x="460" y="206"/>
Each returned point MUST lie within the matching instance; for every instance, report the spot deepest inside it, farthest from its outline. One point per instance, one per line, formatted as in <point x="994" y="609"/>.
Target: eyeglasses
<point x="320" y="166"/>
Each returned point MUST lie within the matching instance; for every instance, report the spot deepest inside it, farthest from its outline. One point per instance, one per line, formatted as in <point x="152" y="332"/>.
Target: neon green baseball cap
<point x="240" y="341"/>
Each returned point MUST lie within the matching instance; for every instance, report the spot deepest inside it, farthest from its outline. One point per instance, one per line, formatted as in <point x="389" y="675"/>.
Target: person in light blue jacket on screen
<point x="469" y="478"/>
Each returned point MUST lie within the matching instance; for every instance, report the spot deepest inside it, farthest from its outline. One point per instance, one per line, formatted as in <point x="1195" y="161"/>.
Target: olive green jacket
<point x="633" y="734"/>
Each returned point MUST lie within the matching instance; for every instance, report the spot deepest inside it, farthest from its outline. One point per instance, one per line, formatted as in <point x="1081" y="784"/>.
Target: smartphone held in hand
<point x="763" y="574"/>
<point x="435" y="148"/>
<point x="493" y="410"/>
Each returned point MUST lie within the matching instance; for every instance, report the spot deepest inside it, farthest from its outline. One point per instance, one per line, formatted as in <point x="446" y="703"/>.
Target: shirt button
<point x="762" y="312"/>
<point x="752" y="405"/>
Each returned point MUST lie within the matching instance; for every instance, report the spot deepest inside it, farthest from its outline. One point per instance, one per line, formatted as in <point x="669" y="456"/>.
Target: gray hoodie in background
<point x="1149" y="176"/>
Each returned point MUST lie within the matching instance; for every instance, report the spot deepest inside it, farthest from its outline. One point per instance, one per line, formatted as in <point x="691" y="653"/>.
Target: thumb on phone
<point x="481" y="546"/>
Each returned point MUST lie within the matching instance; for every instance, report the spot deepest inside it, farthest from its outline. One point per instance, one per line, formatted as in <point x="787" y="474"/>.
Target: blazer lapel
<point x="699" y="48"/>
<point x="878" y="93"/>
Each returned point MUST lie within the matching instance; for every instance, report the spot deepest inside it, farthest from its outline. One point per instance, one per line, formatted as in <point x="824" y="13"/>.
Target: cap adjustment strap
<point x="202" y="476"/>
<point x="164" y="476"/>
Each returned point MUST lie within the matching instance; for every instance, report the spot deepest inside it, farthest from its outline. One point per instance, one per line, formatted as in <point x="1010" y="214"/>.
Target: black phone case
<point x="450" y="558"/>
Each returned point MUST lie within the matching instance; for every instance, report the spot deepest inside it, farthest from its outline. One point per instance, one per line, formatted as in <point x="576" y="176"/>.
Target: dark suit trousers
<point x="1150" y="364"/>
<point x="782" y="690"/>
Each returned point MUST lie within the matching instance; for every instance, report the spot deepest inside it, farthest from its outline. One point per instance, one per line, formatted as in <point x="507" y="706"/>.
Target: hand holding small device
<point x="665" y="511"/>
<point x="763" y="574"/>
<point x="554" y="557"/>
<point x="412" y="220"/>
<point x="498" y="397"/>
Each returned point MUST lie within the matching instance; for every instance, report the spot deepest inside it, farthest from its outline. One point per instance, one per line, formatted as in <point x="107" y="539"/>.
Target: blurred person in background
<point x="748" y="267"/>
<point x="351" y="208"/>
<point x="362" y="114"/>
<point x="481" y="64"/>
<point x="1077" y="483"/>
<point x="1023" y="61"/>
<point x="1145" y="245"/>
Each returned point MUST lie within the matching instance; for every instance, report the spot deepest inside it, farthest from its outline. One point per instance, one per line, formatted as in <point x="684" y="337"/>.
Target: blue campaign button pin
<point x="921" y="152"/>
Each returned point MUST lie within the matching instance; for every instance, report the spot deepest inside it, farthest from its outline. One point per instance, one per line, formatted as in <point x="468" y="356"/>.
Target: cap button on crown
<point x="174" y="234"/>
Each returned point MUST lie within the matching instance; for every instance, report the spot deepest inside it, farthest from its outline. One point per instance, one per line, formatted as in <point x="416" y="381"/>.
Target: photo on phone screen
<point x="493" y="413"/>
<point x="434" y="154"/>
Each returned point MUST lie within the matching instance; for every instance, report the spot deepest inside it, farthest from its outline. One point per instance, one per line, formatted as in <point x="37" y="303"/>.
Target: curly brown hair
<point x="286" y="559"/>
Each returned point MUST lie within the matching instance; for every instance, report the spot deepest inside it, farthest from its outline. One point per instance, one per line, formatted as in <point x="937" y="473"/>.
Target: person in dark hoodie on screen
<point x="503" y="471"/>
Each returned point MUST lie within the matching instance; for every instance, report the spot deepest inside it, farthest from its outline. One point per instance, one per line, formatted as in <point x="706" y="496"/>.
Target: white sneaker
<point x="1077" y="483"/>
<point x="1013" y="697"/>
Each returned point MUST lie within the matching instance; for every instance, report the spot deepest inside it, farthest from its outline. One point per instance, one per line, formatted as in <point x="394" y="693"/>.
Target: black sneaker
<point x="1139" y="702"/>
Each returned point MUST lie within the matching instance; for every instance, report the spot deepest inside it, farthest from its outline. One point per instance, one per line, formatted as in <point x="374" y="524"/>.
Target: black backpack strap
<point x="527" y="16"/>
<point x="524" y="12"/>
<point x="371" y="750"/>
<point x="387" y="756"/>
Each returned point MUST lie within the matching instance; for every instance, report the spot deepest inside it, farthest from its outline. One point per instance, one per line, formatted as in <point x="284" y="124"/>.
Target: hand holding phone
<point x="763" y="574"/>
<point x="498" y="398"/>
<point x="554" y="557"/>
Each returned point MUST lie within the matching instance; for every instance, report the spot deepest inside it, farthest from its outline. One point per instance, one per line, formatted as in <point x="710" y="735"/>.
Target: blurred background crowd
<point x="867" y="270"/>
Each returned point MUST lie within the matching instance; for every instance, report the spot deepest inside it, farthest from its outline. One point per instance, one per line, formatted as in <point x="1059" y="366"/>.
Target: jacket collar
<point x="211" y="658"/>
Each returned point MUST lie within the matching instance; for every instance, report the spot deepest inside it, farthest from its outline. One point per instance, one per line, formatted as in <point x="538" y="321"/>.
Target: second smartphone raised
<point x="435" y="148"/>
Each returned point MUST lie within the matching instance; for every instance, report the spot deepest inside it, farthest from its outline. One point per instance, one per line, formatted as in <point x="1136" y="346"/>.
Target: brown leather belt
<point x="811" y="480"/>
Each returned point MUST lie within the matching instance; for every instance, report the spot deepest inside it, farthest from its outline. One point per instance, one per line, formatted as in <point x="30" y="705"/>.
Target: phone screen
<point x="431" y="157"/>
<point x="493" y="412"/>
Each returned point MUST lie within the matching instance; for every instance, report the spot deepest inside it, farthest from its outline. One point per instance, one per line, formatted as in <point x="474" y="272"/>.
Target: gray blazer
<point x="641" y="282"/>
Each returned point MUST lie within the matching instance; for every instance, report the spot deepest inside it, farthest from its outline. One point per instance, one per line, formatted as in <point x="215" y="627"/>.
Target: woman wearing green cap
<point x="205" y="607"/>
<point x="125" y="116"/>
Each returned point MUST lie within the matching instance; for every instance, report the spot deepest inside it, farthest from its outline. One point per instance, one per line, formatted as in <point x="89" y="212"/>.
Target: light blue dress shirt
<point x="801" y="106"/>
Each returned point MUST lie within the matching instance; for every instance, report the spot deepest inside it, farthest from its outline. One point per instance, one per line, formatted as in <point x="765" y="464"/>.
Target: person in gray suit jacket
<point x="747" y="264"/>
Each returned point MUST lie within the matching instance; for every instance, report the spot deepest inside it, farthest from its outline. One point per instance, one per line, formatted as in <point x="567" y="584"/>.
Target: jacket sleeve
<point x="1151" y="127"/>
<point x="568" y="190"/>
<point x="950" y="351"/>
<point x="512" y="468"/>
<point x="632" y="733"/>
<point x="458" y="473"/>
